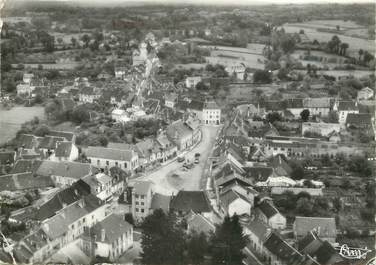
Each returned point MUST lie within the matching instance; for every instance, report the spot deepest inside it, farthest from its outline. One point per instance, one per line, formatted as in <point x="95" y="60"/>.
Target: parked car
<point x="197" y="160"/>
<point x="188" y="166"/>
<point x="197" y="155"/>
<point x="181" y="159"/>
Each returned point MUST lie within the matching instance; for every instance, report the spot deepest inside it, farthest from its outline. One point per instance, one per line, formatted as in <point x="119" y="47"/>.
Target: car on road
<point x="181" y="159"/>
<point x="197" y="155"/>
<point x="175" y="175"/>
<point x="197" y="160"/>
<point x="188" y="165"/>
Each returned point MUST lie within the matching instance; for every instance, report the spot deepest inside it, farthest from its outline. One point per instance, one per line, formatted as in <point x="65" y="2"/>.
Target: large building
<point x="211" y="113"/>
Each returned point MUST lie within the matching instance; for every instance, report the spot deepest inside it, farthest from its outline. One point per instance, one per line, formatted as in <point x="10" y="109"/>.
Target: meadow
<point x="314" y="30"/>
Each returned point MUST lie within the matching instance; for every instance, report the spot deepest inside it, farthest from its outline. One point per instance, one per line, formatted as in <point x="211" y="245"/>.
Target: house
<point x="186" y="201"/>
<point x="199" y="224"/>
<point x="27" y="78"/>
<point x="110" y="238"/>
<point x="295" y="106"/>
<point x="64" y="173"/>
<point x="180" y="134"/>
<point x="334" y="137"/>
<point x="65" y="151"/>
<point x="321" y="250"/>
<point x="70" y="223"/>
<point x="280" y="166"/>
<point x="170" y="100"/>
<point x="343" y="108"/>
<point x="211" y="113"/>
<point x="48" y="144"/>
<point x="68" y="136"/>
<point x="359" y="121"/>
<point x="148" y="152"/>
<point x="318" y="106"/>
<point x="257" y="232"/>
<point x="142" y="195"/>
<point x="236" y="70"/>
<point x="25" y="89"/>
<point x="140" y="55"/>
<point x="103" y="157"/>
<point x="365" y="93"/>
<point x="103" y="186"/>
<point x="168" y="148"/>
<point x="192" y="81"/>
<point x="320" y="128"/>
<point x="325" y="228"/>
<point x="120" y="72"/>
<point x="233" y="202"/>
<point x="269" y="214"/>
<point x="120" y="115"/>
<point x="7" y="159"/>
<point x="278" y="251"/>
<point x="88" y="95"/>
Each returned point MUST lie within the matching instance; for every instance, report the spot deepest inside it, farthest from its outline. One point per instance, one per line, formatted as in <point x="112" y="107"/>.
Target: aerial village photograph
<point x="166" y="132"/>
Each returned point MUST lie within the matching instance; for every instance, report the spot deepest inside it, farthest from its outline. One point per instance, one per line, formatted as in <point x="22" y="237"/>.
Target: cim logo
<point x="372" y="261"/>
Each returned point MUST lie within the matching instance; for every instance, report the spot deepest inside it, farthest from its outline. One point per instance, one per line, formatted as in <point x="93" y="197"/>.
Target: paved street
<point x="164" y="178"/>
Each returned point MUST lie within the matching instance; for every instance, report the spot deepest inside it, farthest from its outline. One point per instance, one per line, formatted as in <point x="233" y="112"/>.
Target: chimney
<point x="103" y="234"/>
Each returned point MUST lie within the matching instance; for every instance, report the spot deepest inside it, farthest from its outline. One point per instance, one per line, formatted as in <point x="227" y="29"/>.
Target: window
<point x="142" y="210"/>
<point x="116" y="164"/>
<point x="136" y="196"/>
<point x="107" y="163"/>
<point x="72" y="226"/>
<point x="98" y="162"/>
<point x="142" y="203"/>
<point x="83" y="220"/>
<point x="136" y="203"/>
<point x="142" y="196"/>
<point x="137" y="210"/>
<point x="125" y="165"/>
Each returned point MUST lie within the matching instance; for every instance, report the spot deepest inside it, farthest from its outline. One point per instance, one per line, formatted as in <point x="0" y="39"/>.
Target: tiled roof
<point x="279" y="162"/>
<point x="280" y="248"/>
<point x="229" y="196"/>
<point x="26" y="141"/>
<point x="6" y="158"/>
<point x="197" y="201"/>
<point x="65" y="169"/>
<point x="160" y="201"/>
<point x="268" y="209"/>
<point x="178" y="128"/>
<point x="259" y="173"/>
<point x="24" y="181"/>
<point x="325" y="227"/>
<point x="317" y="103"/>
<point x="24" y="165"/>
<point x="50" y="142"/>
<point x="294" y="103"/>
<point x="57" y="225"/>
<point x="109" y="153"/>
<point x="359" y="119"/>
<point x="196" y="105"/>
<point x="114" y="227"/>
<point x="142" y="187"/>
<point x="63" y="149"/>
<point x="347" y="105"/>
<point x="199" y="223"/>
<point x="62" y="199"/>
<point x="258" y="228"/>
<point x="211" y="105"/>
<point x="67" y="135"/>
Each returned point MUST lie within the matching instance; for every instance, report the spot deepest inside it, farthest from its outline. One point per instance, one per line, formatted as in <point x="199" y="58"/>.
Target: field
<point x="324" y="59"/>
<point x="349" y="32"/>
<point x="342" y="73"/>
<point x="11" y="120"/>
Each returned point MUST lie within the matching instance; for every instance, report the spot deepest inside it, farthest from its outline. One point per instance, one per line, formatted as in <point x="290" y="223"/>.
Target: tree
<point x="162" y="240"/>
<point x="228" y="242"/>
<point x="333" y="117"/>
<point x="86" y="39"/>
<point x="201" y="86"/>
<point x="367" y="57"/>
<point x="129" y="218"/>
<point x="197" y="247"/>
<point x="344" y="47"/>
<point x="80" y="114"/>
<point x="73" y="41"/>
<point x="297" y="170"/>
<point x="360" y="52"/>
<point x="262" y="76"/>
<point x="273" y="116"/>
<point x="304" y="115"/>
<point x="41" y="130"/>
<point x="304" y="206"/>
<point x="360" y="165"/>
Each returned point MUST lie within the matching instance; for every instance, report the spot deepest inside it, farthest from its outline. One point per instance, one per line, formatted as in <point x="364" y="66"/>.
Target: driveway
<point x="170" y="178"/>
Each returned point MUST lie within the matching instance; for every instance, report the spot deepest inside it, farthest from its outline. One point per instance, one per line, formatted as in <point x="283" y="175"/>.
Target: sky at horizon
<point x="211" y="2"/>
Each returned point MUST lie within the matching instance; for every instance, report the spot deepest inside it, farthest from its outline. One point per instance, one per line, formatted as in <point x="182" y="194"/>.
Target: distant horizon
<point x="194" y="2"/>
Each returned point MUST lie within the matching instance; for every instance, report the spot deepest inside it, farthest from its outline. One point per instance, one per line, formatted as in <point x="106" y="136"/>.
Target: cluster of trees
<point x="305" y="205"/>
<point x="263" y="76"/>
<point x="164" y="242"/>
<point x="336" y="46"/>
